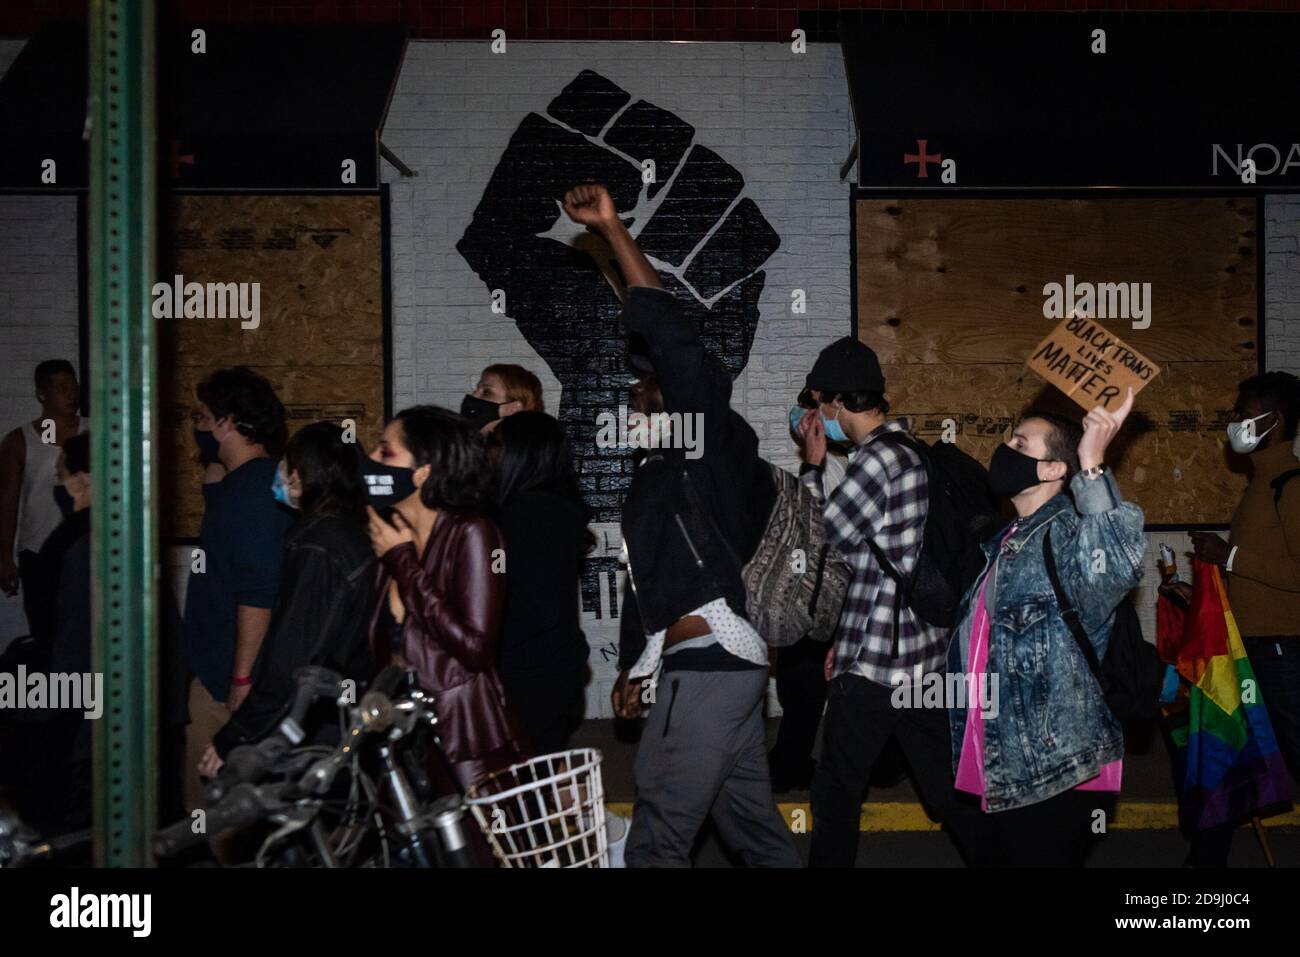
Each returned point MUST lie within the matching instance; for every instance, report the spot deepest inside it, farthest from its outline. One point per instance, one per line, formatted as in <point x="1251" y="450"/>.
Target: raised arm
<point x="591" y="206"/>
<point x="689" y="379"/>
<point x="1102" y="560"/>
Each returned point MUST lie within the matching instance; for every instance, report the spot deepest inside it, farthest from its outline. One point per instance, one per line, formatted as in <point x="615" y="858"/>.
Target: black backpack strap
<point x="902" y="589"/>
<point x="899" y="588"/>
<point x="1069" y="614"/>
<point x="1280" y="482"/>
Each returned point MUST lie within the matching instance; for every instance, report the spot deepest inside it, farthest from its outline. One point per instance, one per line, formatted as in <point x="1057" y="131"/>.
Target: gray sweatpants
<point x="703" y="752"/>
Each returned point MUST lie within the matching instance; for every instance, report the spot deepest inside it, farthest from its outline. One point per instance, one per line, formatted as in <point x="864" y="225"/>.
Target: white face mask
<point x="1242" y="436"/>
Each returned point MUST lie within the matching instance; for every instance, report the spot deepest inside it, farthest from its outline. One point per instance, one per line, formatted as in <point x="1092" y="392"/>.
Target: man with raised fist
<point x="689" y="524"/>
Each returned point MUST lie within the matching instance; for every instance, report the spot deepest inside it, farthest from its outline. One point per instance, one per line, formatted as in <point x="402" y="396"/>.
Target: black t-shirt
<point x="241" y="536"/>
<point x="44" y="582"/>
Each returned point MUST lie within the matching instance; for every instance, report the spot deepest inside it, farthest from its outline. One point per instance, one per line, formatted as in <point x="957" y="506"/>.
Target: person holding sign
<point x="1037" y="759"/>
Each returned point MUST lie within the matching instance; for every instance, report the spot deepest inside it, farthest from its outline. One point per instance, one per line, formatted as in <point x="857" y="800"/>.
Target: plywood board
<point x="320" y="338"/>
<point x="950" y="293"/>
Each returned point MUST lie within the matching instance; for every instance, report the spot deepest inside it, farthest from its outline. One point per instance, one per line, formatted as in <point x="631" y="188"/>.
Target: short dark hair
<point x="1062" y="439"/>
<point x="460" y="477"/>
<point x="328" y="467"/>
<point x="47" y="370"/>
<point x="1276" y="392"/>
<point x="861" y="401"/>
<point x="76" y="453"/>
<point x="247" y="397"/>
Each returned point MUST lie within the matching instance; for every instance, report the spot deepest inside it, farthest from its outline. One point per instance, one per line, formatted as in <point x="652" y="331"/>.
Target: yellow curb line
<point x="908" y="816"/>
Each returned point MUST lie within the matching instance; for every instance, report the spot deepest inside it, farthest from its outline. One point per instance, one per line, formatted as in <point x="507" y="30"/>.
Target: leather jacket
<point x="454" y="601"/>
<point x="690" y="520"/>
<point x="325" y="597"/>
<point x="1052" y="729"/>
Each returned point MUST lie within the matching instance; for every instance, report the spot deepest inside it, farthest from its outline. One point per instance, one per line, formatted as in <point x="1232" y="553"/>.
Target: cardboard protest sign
<point x="1090" y="365"/>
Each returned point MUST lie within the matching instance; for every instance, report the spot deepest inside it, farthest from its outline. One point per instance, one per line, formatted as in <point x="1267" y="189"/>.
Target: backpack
<point x="960" y="509"/>
<point x="788" y="598"/>
<point x="1131" y="673"/>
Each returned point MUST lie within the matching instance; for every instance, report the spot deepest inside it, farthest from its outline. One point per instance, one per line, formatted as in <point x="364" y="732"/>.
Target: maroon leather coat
<point x="454" y="604"/>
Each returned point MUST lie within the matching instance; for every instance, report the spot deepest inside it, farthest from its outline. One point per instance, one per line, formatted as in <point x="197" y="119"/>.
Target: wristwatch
<point x="1093" y="473"/>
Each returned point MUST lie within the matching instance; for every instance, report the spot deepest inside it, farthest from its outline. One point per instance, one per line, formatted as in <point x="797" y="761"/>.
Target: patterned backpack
<point x="795" y="582"/>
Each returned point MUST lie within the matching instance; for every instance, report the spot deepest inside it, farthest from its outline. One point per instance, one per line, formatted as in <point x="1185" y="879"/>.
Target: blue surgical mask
<point x="834" y="431"/>
<point x="280" y="490"/>
<point x="797" y="412"/>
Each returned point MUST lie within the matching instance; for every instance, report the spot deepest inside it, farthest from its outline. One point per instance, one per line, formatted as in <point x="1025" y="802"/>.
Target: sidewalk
<point x="1147" y="801"/>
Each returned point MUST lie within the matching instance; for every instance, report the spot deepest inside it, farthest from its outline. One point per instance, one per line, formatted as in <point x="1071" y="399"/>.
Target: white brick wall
<point x="38" y="315"/>
<point x="38" y="307"/>
<point x="9" y="50"/>
<point x="1282" y="282"/>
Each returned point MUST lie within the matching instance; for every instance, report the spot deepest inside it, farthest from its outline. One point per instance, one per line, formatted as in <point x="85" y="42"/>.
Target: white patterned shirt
<point x="733" y="632"/>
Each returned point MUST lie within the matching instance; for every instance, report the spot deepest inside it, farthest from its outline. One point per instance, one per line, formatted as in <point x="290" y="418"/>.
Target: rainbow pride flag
<point x="1226" y="758"/>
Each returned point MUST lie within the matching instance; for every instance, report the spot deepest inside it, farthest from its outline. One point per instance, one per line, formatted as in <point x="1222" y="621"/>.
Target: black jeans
<point x="30" y="589"/>
<point x="1057" y="832"/>
<point x="801" y="689"/>
<point x="1276" y="663"/>
<point x="860" y="718"/>
<point x="549" y="706"/>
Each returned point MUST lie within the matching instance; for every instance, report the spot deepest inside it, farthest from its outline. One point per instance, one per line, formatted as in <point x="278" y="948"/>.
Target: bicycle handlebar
<point x="243" y="805"/>
<point x="249" y="763"/>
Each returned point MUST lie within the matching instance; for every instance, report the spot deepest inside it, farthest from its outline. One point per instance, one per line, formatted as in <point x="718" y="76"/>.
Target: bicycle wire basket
<point x="548" y="811"/>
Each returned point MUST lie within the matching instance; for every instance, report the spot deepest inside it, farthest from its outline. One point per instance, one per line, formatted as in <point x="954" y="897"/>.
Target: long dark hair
<point x="328" y="468"/>
<point x="459" y="474"/>
<point x="535" y="455"/>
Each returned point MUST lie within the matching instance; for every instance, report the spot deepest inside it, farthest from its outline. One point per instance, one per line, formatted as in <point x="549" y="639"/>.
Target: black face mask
<point x="479" y="411"/>
<point x="1011" y="472"/>
<point x="386" y="484"/>
<point x="63" y="499"/>
<point x="209" y="447"/>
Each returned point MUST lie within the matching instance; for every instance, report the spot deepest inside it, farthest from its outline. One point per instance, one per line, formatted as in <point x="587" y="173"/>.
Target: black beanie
<point x="846" y="365"/>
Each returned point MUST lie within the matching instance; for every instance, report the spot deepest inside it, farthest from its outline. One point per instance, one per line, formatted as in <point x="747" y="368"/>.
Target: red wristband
<point x="243" y="682"/>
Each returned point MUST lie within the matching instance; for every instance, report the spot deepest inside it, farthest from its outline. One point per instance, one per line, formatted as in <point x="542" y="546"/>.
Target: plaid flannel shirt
<point x="885" y="496"/>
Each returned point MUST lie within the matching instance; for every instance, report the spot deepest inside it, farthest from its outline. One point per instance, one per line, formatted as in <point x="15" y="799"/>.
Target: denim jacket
<point x="1052" y="729"/>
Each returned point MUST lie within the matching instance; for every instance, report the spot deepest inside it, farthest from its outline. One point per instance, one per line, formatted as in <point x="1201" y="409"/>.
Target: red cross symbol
<point x="177" y="158"/>
<point x="921" y="158"/>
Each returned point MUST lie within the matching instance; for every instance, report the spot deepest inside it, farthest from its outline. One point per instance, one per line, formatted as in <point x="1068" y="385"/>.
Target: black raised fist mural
<point x="689" y="218"/>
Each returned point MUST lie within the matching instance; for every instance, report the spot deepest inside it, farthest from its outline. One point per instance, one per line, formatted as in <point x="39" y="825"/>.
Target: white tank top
<point x="38" y="514"/>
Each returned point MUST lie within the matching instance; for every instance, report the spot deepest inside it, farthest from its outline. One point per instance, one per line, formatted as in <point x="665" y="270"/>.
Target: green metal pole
<point x="122" y="266"/>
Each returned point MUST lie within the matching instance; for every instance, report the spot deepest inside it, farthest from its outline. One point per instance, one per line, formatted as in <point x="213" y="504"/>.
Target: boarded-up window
<point x="320" y="333"/>
<point x="950" y="295"/>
